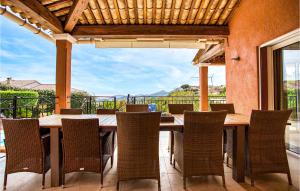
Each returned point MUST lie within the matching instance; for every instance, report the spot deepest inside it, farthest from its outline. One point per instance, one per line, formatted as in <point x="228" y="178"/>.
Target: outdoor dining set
<point x="199" y="143"/>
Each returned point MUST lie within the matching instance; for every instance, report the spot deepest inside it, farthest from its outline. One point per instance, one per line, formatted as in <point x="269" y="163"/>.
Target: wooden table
<point x="108" y="123"/>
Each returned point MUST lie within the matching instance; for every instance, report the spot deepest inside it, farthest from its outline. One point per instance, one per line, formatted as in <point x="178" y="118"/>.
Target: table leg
<point x="55" y="157"/>
<point x="238" y="169"/>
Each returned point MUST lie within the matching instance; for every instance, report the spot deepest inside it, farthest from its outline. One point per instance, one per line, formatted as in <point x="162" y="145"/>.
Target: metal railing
<point x="162" y="102"/>
<point x="27" y="107"/>
<point x="35" y="107"/>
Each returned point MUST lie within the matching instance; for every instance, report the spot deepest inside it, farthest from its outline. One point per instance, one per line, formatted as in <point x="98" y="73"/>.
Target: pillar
<point x="203" y="88"/>
<point x="63" y="70"/>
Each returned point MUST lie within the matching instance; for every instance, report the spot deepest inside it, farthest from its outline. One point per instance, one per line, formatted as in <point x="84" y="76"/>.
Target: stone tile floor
<point x="171" y="179"/>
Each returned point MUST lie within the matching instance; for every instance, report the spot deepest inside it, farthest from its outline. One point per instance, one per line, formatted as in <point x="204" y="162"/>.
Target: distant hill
<point x="160" y="93"/>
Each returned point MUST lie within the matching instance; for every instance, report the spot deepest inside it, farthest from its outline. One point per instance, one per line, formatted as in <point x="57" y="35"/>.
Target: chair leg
<point x="174" y="164"/>
<point x="252" y="181"/>
<point x="223" y="179"/>
<point x="158" y="184"/>
<point x="5" y="180"/>
<point x="101" y="178"/>
<point x="112" y="160"/>
<point x="43" y="181"/>
<point x="289" y="178"/>
<point x="227" y="161"/>
<point x="118" y="185"/>
<point x="171" y="145"/>
<point x="184" y="182"/>
<point x="63" y="180"/>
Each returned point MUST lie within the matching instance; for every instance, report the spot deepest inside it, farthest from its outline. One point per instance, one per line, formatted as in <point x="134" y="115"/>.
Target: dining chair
<point x="82" y="147"/>
<point x="71" y="111"/>
<point x="106" y="111"/>
<point x="136" y="108"/>
<point x="198" y="149"/>
<point x="266" y="143"/>
<point x="138" y="146"/>
<point x="176" y="109"/>
<point x="26" y="149"/>
<point x="228" y="133"/>
<point x="109" y="137"/>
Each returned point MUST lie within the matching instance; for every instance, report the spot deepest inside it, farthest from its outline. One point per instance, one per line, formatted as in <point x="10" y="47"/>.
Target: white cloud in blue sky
<point x="24" y="55"/>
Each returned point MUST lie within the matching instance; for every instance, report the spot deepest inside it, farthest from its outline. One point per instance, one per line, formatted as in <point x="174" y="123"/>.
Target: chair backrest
<point x="71" y="111"/>
<point x="180" y="108"/>
<point x="23" y="145"/>
<point x="266" y="140"/>
<point x="106" y="111"/>
<point x="202" y="141"/>
<point x="81" y="145"/>
<point x="229" y="107"/>
<point x="136" y="108"/>
<point x="138" y="144"/>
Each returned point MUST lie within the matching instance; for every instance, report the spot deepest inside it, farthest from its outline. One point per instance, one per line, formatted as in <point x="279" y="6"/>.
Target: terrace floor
<point x="171" y="179"/>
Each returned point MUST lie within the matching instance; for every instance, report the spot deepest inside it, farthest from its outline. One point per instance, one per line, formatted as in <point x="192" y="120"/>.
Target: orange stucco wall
<point x="254" y="22"/>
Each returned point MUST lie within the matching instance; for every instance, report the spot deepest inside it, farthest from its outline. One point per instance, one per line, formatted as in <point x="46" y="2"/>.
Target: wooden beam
<point x="40" y="13"/>
<point x="76" y="10"/>
<point x="215" y="51"/>
<point x="148" y="31"/>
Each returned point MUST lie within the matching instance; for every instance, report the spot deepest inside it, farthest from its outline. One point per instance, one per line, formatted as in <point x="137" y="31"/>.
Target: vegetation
<point x="30" y="101"/>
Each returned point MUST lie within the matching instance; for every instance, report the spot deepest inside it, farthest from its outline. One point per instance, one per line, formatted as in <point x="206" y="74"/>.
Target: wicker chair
<point x="266" y="143"/>
<point x="106" y="111"/>
<point x="109" y="138"/>
<point x="198" y="150"/>
<point x="177" y="109"/>
<point x="137" y="108"/>
<point x="228" y="133"/>
<point x="138" y="146"/>
<point x="26" y="149"/>
<point x="71" y="111"/>
<point x="82" y="147"/>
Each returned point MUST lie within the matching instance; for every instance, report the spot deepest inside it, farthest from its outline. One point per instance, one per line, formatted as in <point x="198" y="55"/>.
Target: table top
<point x="109" y="122"/>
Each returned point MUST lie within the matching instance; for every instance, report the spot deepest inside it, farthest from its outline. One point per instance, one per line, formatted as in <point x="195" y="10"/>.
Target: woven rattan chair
<point x="26" y="149"/>
<point x="198" y="150"/>
<point x="109" y="138"/>
<point x="106" y="111"/>
<point x="177" y="109"/>
<point x="137" y="108"/>
<point x="228" y="133"/>
<point x="82" y="147"/>
<point x="71" y="111"/>
<point x="138" y="146"/>
<point x="266" y="143"/>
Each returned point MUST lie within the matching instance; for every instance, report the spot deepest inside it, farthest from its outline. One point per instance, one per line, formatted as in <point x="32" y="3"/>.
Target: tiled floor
<point x="171" y="179"/>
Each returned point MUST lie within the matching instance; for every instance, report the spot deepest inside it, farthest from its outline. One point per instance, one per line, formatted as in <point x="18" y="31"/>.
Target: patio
<point x="250" y="38"/>
<point x="171" y="179"/>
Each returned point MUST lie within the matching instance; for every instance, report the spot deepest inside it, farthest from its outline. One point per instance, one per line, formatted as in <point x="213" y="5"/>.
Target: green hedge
<point x="31" y="102"/>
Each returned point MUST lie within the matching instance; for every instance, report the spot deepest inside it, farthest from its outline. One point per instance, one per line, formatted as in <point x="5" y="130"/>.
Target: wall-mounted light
<point x="236" y="58"/>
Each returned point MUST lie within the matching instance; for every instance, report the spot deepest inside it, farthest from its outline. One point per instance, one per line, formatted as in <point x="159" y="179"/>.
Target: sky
<point x="26" y="56"/>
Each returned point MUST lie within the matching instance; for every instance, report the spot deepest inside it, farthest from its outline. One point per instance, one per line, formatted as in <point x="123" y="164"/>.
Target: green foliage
<point x="185" y="86"/>
<point x="30" y="100"/>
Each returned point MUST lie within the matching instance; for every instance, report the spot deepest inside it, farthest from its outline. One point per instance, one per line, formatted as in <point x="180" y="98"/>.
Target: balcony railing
<point x="29" y="107"/>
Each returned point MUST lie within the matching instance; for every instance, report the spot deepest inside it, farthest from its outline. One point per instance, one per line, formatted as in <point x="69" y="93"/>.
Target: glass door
<point x="287" y="90"/>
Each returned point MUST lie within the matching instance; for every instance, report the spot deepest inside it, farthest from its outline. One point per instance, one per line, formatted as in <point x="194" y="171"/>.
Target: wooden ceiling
<point x="63" y="15"/>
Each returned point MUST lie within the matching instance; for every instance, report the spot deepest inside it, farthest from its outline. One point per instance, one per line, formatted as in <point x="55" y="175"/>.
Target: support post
<point x="203" y="88"/>
<point x="63" y="70"/>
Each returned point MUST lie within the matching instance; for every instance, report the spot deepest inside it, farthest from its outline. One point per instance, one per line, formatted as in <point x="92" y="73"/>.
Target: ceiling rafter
<point x="40" y="13"/>
<point x="74" y="14"/>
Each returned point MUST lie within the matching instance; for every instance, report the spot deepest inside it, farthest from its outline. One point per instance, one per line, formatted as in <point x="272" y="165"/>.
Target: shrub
<point x="29" y="100"/>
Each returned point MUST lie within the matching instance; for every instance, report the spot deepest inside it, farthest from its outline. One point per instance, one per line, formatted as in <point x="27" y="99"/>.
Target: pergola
<point x="124" y="24"/>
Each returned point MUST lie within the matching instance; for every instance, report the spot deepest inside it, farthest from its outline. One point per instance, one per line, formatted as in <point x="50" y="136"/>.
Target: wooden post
<point x="203" y="88"/>
<point x="63" y="71"/>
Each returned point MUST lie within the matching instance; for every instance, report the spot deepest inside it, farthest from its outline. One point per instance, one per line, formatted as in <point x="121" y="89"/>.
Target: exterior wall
<point x="254" y="22"/>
